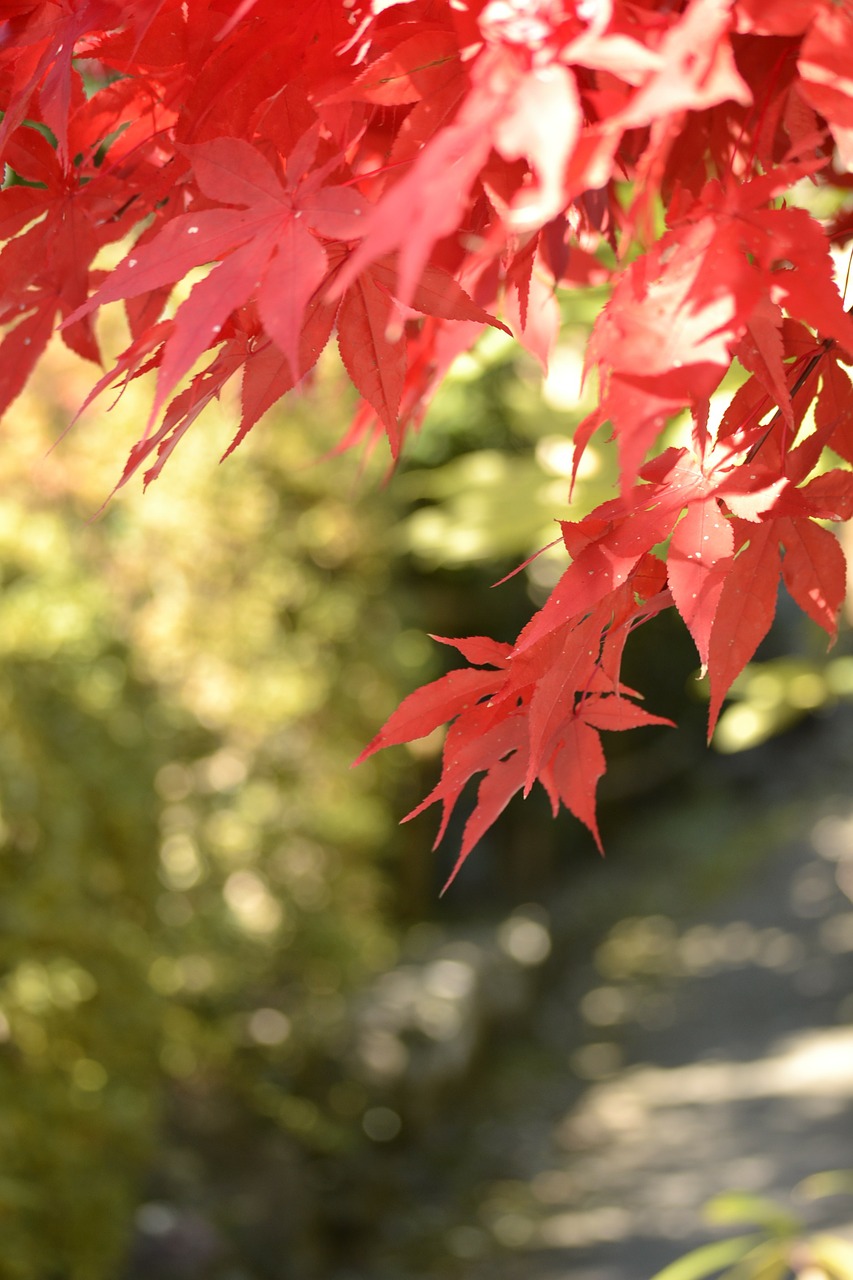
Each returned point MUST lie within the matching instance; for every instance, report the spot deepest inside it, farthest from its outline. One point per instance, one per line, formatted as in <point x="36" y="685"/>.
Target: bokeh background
<point x="240" y="1036"/>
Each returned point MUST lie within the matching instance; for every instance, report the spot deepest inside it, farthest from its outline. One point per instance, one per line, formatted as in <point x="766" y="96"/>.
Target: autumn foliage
<point x="400" y="175"/>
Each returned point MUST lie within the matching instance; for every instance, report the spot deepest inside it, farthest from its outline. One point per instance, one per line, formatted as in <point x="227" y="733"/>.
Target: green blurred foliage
<point x="770" y="697"/>
<point x="193" y="878"/>
<point x="781" y="1246"/>
<point x="79" y="1022"/>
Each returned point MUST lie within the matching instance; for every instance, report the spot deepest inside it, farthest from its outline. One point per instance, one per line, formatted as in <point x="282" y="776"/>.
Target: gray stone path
<point x="718" y="1055"/>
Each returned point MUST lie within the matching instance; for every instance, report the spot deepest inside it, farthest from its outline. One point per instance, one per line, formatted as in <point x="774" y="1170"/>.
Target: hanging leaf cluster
<point x="393" y="177"/>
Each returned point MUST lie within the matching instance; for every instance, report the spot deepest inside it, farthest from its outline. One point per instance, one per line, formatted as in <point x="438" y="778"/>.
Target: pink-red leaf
<point x="433" y="705"/>
<point x="232" y="171"/>
<point x="745" y="612"/>
<point x="475" y="743"/>
<point x="437" y="294"/>
<point x="416" y="67"/>
<point x="552" y="704"/>
<point x="376" y="364"/>
<point x="814" y="571"/>
<point x="699" y="558"/>
<point x="292" y="276"/>
<point x="481" y="651"/>
<point x="573" y="774"/>
<point x="189" y="240"/>
<point x="503" y="780"/>
<point x="616" y="713"/>
<point x="268" y="374"/>
<point x="200" y="318"/>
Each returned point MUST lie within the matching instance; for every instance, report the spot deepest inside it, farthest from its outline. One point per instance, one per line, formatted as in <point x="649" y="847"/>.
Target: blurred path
<point x="718" y="1056"/>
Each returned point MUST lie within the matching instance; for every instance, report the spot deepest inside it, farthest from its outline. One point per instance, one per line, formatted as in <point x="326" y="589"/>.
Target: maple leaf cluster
<point x="400" y="175"/>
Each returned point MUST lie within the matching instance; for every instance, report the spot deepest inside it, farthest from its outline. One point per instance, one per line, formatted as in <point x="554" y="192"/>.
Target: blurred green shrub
<point x="192" y="876"/>
<point x="80" y="1024"/>
<point x="769" y="697"/>
<point x="780" y="1246"/>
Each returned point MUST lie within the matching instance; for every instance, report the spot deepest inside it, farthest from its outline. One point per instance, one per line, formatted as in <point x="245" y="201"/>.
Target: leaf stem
<point x="799" y="382"/>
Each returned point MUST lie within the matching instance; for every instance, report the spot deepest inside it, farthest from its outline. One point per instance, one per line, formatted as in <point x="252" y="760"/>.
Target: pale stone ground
<point x="718" y="1056"/>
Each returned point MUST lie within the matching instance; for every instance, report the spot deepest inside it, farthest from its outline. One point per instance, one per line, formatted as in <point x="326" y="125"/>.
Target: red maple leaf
<point x="400" y="175"/>
<point x="268" y="235"/>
